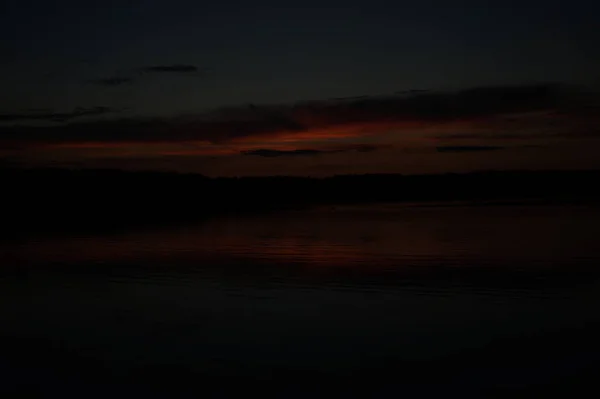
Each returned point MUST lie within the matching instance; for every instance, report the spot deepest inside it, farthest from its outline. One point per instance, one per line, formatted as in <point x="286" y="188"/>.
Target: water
<point x="415" y="298"/>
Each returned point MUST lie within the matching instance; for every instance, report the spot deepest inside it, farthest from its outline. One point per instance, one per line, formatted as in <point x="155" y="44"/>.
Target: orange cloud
<point x="413" y="122"/>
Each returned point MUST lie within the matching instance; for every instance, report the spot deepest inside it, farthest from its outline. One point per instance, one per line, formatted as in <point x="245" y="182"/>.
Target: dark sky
<point x="71" y="67"/>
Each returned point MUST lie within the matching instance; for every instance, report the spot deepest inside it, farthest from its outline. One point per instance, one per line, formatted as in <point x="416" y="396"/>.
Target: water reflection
<point x="545" y="235"/>
<point x="368" y="292"/>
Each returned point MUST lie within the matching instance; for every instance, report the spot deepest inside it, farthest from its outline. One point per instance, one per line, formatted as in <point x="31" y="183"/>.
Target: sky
<point x="303" y="88"/>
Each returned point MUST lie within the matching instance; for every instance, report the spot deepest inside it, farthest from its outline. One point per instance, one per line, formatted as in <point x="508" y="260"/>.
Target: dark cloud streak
<point x="175" y="68"/>
<point x="118" y="80"/>
<point x="112" y="81"/>
<point x="58" y="116"/>
<point x="468" y="148"/>
<point x="271" y="153"/>
<point x="268" y="153"/>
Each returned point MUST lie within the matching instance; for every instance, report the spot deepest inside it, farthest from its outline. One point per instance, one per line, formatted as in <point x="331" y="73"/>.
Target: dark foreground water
<point x="386" y="301"/>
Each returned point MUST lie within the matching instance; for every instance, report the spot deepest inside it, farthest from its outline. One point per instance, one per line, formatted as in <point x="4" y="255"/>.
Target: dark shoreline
<point x="53" y="200"/>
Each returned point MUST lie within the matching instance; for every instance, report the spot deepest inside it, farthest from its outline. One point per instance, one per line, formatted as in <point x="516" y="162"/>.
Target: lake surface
<point x="374" y="301"/>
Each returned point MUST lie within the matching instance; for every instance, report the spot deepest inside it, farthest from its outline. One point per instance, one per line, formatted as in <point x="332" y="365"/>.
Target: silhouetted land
<point x="52" y="199"/>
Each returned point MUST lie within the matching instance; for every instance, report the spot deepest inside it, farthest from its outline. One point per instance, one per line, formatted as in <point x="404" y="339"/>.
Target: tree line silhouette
<point x="54" y="199"/>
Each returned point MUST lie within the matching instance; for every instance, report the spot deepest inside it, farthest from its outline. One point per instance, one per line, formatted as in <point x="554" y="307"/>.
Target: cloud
<point x="360" y="125"/>
<point x="366" y="147"/>
<point x="175" y="68"/>
<point x="112" y="81"/>
<point x="468" y="148"/>
<point x="353" y="98"/>
<point x="58" y="116"/>
<point x="412" y="91"/>
<point x="268" y="153"/>
<point x="572" y="133"/>
<point x="120" y="78"/>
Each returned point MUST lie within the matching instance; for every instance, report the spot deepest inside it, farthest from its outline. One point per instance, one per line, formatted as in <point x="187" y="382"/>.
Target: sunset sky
<point x="309" y="88"/>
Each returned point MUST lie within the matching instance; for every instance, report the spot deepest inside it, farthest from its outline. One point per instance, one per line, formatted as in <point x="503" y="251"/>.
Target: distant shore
<point x="54" y="200"/>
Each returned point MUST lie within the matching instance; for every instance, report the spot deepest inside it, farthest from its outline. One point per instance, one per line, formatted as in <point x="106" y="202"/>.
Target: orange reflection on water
<point x="308" y="250"/>
<point x="372" y="237"/>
